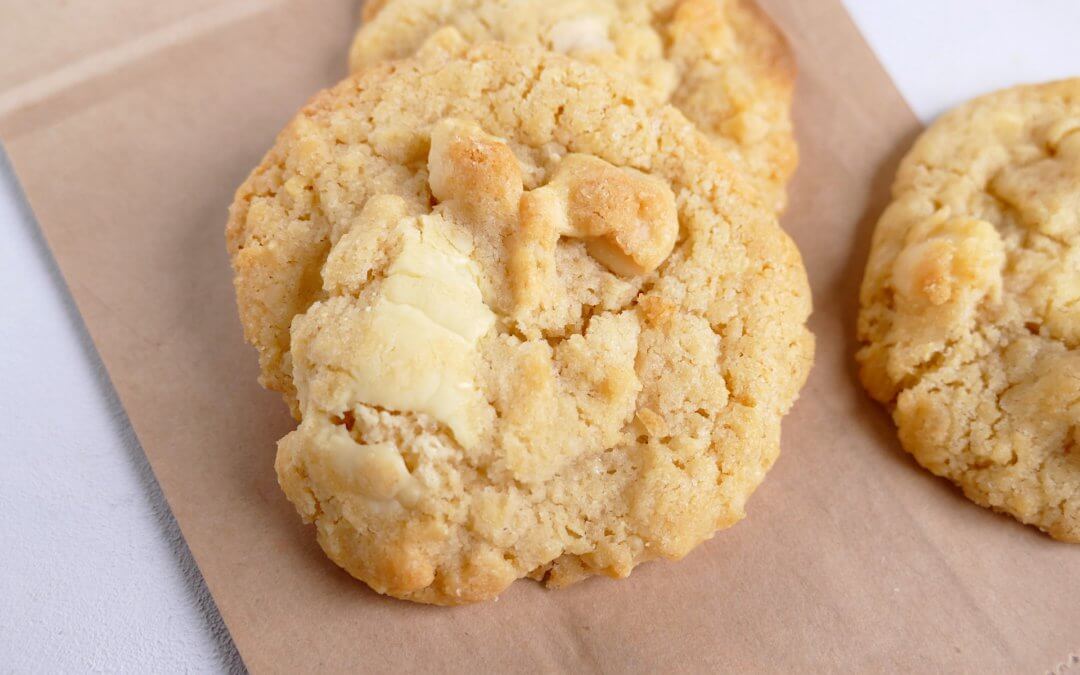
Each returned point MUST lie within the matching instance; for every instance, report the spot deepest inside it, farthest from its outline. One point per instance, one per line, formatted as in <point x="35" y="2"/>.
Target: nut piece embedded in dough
<point x="475" y="174"/>
<point x="627" y="218"/>
<point x="961" y="256"/>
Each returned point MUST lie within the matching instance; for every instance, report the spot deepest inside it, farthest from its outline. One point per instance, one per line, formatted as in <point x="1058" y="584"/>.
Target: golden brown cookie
<point x="721" y="62"/>
<point x="970" y="322"/>
<point x="538" y="325"/>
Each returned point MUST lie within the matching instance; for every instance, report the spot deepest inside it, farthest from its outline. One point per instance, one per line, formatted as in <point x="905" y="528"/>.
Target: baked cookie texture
<point x="970" y="320"/>
<point x="723" y="63"/>
<point x="537" y="325"/>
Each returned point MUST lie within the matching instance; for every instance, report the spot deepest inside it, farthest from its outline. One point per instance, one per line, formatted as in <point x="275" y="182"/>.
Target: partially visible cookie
<point x="970" y="322"/>
<point x="721" y="62"/>
<point x="538" y="325"/>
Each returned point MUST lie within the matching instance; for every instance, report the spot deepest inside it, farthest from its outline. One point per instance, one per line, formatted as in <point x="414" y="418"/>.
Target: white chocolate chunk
<point x="427" y="322"/>
<point x="375" y="471"/>
<point x="412" y="347"/>
<point x="581" y="35"/>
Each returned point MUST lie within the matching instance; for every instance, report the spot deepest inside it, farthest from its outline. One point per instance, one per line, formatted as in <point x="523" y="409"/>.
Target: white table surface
<point x="94" y="575"/>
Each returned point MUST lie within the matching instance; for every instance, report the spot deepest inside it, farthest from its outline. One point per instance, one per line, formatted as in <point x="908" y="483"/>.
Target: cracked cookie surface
<point x="970" y="320"/>
<point x="721" y="62"/>
<point x="531" y="321"/>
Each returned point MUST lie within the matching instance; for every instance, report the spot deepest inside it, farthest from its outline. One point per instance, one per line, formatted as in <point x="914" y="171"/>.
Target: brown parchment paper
<point x="130" y="124"/>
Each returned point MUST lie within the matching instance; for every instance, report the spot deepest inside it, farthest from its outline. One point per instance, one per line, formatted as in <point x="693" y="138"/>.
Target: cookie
<point x="722" y="62"/>
<point x="538" y="326"/>
<point x="970" y="320"/>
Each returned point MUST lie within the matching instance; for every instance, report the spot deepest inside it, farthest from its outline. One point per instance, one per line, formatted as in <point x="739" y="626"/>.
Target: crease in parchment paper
<point x="103" y="62"/>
